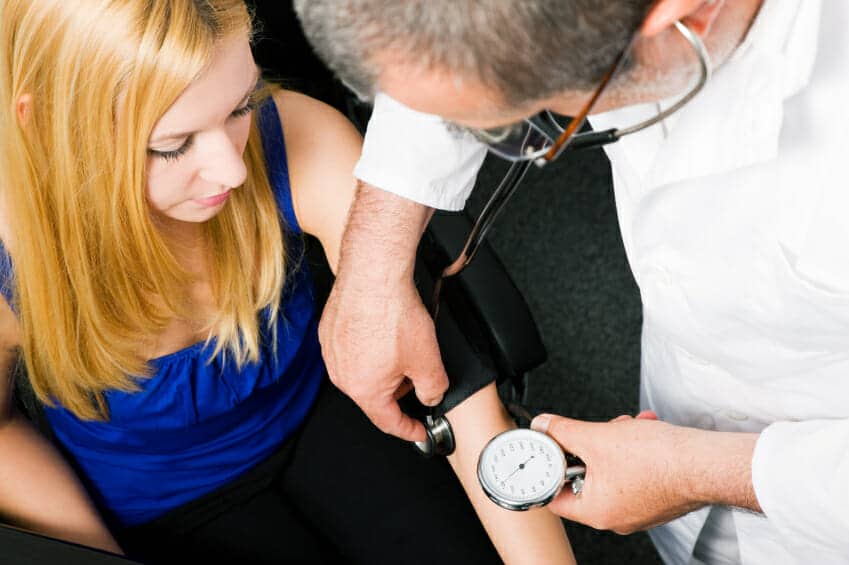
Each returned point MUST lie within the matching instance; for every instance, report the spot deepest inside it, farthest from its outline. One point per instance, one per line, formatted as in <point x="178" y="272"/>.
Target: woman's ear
<point x="699" y="15"/>
<point x="22" y="108"/>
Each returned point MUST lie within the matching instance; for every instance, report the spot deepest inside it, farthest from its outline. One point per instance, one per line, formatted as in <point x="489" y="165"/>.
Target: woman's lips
<point x="211" y="201"/>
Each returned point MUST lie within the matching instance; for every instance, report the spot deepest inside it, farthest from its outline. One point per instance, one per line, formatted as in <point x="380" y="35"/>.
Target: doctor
<point x="733" y="214"/>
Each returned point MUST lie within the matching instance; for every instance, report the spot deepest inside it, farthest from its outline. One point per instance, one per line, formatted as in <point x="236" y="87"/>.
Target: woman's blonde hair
<point x="94" y="278"/>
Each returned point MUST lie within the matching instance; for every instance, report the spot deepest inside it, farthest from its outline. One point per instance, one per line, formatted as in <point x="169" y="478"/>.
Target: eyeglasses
<point x="540" y="139"/>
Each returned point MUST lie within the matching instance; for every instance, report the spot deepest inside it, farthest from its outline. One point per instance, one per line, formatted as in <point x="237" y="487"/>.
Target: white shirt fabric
<point x="736" y="226"/>
<point x="418" y="156"/>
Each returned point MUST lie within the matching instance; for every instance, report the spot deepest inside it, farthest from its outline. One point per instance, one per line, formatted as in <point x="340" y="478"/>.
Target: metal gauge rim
<point x="514" y="503"/>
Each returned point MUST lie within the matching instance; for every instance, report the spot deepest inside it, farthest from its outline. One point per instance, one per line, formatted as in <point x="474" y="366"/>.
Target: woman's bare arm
<point x="38" y="489"/>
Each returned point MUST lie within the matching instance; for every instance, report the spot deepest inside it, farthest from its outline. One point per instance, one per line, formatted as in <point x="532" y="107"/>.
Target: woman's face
<point x="195" y="149"/>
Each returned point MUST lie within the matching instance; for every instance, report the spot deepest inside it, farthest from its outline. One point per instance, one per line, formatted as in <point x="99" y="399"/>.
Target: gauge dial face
<point x="520" y="469"/>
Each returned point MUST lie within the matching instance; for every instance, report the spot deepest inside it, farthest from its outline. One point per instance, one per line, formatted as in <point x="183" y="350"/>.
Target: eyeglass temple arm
<point x="490" y="212"/>
<point x="705" y="71"/>
<point x="600" y="138"/>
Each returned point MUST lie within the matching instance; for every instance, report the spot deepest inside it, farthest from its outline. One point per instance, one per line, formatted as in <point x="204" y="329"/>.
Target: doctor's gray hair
<point x="526" y="49"/>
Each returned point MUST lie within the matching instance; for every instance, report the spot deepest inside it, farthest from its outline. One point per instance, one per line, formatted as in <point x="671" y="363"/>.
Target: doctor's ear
<point x="22" y="109"/>
<point x="698" y="15"/>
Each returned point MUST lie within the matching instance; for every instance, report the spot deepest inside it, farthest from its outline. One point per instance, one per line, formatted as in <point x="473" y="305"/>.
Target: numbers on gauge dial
<point x="523" y="466"/>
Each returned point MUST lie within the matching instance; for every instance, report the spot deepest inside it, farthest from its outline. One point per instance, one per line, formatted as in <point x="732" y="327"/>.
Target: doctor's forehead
<point x="460" y="100"/>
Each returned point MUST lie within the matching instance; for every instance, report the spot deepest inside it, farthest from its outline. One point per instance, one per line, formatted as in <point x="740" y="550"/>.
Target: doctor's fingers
<point x="386" y="414"/>
<point x="405" y="387"/>
<point x="425" y="369"/>
<point x="574" y="436"/>
<point x="644" y="415"/>
<point x="569" y="506"/>
<point x="592" y="507"/>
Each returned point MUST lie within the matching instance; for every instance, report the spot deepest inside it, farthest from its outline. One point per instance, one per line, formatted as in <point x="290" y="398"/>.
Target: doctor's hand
<point x="642" y="472"/>
<point x="377" y="338"/>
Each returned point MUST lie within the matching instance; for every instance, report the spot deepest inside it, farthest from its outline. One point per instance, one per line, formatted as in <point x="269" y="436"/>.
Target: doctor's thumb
<point x="565" y="431"/>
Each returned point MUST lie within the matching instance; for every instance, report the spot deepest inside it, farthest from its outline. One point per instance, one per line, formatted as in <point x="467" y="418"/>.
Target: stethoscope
<point x="534" y="446"/>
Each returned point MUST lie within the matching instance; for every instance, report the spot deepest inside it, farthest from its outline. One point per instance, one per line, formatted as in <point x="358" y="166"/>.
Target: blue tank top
<point x="198" y="423"/>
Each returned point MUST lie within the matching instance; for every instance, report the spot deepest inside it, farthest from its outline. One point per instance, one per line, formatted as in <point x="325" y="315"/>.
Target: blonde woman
<point x="153" y="198"/>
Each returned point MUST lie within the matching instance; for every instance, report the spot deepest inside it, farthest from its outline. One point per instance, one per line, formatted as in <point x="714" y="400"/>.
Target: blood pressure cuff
<point x="466" y="351"/>
<point x="462" y="342"/>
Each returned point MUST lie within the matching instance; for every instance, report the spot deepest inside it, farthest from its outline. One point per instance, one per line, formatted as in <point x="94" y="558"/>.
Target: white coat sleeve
<point x="418" y="156"/>
<point x="800" y="473"/>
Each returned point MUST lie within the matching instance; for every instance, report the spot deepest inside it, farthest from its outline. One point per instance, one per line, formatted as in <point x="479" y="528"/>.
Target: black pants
<point x="340" y="492"/>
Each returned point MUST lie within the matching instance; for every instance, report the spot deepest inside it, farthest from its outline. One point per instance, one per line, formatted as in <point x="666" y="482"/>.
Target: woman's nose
<point x="223" y="163"/>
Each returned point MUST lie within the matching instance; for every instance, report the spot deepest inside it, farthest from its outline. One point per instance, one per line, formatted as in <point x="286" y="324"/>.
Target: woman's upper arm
<point x="322" y="148"/>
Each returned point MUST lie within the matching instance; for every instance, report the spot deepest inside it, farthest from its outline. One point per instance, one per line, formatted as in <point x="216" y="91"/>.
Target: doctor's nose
<point x="224" y="163"/>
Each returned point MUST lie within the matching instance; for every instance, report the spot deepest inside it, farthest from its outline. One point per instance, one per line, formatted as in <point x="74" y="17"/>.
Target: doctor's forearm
<point x="381" y="238"/>
<point x="377" y="338"/>
<point x="718" y="468"/>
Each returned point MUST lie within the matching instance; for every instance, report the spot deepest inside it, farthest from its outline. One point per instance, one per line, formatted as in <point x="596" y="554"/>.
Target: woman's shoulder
<point x="295" y="107"/>
<point x="322" y="147"/>
<point x="315" y="131"/>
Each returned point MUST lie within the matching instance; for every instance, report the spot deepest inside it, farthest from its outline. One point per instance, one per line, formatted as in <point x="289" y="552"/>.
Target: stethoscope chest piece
<point x="440" y="437"/>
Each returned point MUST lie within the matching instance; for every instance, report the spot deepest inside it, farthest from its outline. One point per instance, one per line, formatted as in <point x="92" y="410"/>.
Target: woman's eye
<point x="174" y="154"/>
<point x="244" y="110"/>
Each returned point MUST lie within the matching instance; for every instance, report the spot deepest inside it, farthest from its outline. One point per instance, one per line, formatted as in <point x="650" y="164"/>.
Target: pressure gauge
<point x="520" y="469"/>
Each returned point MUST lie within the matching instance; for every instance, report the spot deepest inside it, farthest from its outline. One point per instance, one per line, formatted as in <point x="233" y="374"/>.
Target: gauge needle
<point x="519" y="468"/>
